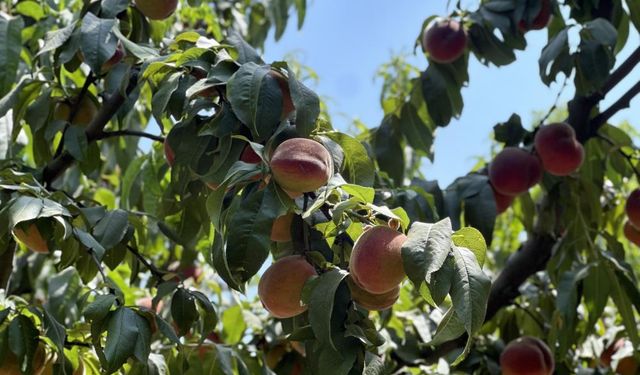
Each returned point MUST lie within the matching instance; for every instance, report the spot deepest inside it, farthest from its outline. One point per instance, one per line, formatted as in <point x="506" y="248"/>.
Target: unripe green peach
<point x="301" y="165"/>
<point x="85" y="113"/>
<point x="632" y="208"/>
<point x="376" y="260"/>
<point x="30" y="236"/>
<point x="513" y="171"/>
<point x="156" y="9"/>
<point x="444" y="40"/>
<point x="280" y="287"/>
<point x="281" y="228"/>
<point x="561" y="154"/>
<point x="372" y="301"/>
<point x="527" y="356"/>
<point x="632" y="233"/>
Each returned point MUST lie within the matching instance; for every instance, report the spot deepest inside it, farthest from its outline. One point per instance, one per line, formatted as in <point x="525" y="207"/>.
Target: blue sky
<point x="346" y="41"/>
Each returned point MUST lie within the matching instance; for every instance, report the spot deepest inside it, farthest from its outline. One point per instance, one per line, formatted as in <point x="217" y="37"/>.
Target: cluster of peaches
<point x="515" y="170"/>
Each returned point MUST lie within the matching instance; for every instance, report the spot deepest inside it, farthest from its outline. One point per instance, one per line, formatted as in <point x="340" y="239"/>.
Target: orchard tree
<point x="172" y="203"/>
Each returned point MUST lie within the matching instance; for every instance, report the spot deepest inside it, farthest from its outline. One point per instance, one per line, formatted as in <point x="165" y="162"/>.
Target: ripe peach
<point x="540" y="21"/>
<point x="527" y="355"/>
<point x="156" y="9"/>
<point x="147" y="303"/>
<point x="502" y="201"/>
<point x="372" y="301"/>
<point x="83" y="116"/>
<point x="280" y="287"/>
<point x="30" y="236"/>
<point x="287" y="103"/>
<point x="301" y="165"/>
<point x="513" y="171"/>
<point x="10" y="365"/>
<point x="169" y="154"/>
<point x="281" y="228"/>
<point x="632" y="208"/>
<point x="560" y="152"/>
<point x="605" y="357"/>
<point x="632" y="233"/>
<point x="444" y="40"/>
<point x="116" y="58"/>
<point x="376" y="260"/>
<point x="627" y="366"/>
<point x="250" y="156"/>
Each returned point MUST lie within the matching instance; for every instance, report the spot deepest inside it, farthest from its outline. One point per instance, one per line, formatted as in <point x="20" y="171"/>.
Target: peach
<point x="632" y="233"/>
<point x="116" y="58"/>
<point x="147" y="303"/>
<point x="287" y="102"/>
<point x="502" y="201"/>
<point x="30" y="236"/>
<point x="83" y="116"/>
<point x="372" y="301"/>
<point x="156" y="9"/>
<point x="301" y="165"/>
<point x="513" y="171"/>
<point x="444" y="40"/>
<point x="527" y="356"/>
<point x="250" y="156"/>
<point x="10" y="365"/>
<point x="280" y="287"/>
<point x="281" y="228"/>
<point x="169" y="154"/>
<point x="376" y="260"/>
<point x="627" y="366"/>
<point x="632" y="208"/>
<point x="560" y="152"/>
<point x="540" y="21"/>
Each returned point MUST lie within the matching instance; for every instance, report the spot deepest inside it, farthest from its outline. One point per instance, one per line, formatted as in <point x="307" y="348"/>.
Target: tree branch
<point x="152" y="268"/>
<point x="127" y="132"/>
<point x="57" y="166"/>
<point x="621" y="103"/>
<point x="622" y="71"/>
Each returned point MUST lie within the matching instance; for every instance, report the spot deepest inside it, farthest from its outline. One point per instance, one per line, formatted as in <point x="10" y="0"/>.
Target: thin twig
<point x="621" y="103"/>
<point x="150" y="266"/>
<point x="126" y="132"/>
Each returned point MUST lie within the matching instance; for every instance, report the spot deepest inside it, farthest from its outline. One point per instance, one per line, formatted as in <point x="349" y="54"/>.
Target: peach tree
<point x="172" y="203"/>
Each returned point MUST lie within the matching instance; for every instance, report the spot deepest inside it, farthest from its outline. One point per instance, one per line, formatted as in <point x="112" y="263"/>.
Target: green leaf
<point x="634" y="12"/>
<point x="389" y="149"/>
<point x="90" y="242"/>
<point x="440" y="283"/>
<point x="567" y="299"/>
<point x="364" y="194"/>
<point x="64" y="290"/>
<point x="75" y="141"/>
<point x="6" y="126"/>
<point x="127" y="334"/>
<point x="57" y="38"/>
<point x="511" y="132"/>
<point x="23" y="341"/>
<point x="321" y="305"/>
<point x="306" y="103"/>
<point x="418" y="133"/>
<point x="167" y="331"/>
<point x="449" y="328"/>
<point x="26" y="208"/>
<point x="97" y="42"/>
<point x="279" y="11"/>
<point x="183" y="310"/>
<point x="111" y="8"/>
<point x="142" y="52"/>
<point x="54" y="330"/>
<point x="357" y="167"/>
<point x="426" y="249"/>
<point x="601" y="31"/>
<point x="100" y="307"/>
<point x="256" y="99"/>
<point x="10" y="47"/>
<point x="246" y="53"/>
<point x="624" y="306"/>
<point x="31" y="9"/>
<point x="471" y="238"/>
<point x="469" y="290"/>
<point x="233" y="324"/>
<point x="112" y="228"/>
<point x="556" y="54"/>
<point x="249" y="228"/>
<point x="480" y="210"/>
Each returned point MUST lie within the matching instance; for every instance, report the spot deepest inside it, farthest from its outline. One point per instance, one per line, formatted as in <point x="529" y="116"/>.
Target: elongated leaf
<point x="321" y="305"/>
<point x="470" y="289"/>
<point x="111" y="228"/>
<point x="306" y="103"/>
<point x="10" y="47"/>
<point x="57" y="38"/>
<point x="426" y="249"/>
<point x="97" y="42"/>
<point x="23" y="341"/>
<point x="471" y="238"/>
<point x="123" y="333"/>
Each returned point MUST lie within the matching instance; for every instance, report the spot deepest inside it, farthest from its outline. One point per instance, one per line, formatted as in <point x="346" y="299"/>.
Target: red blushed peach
<point x="627" y="366"/>
<point x="250" y="156"/>
<point x="281" y="228"/>
<point x="169" y="154"/>
<point x="632" y="208"/>
<point x="540" y="21"/>
<point x="560" y="152"/>
<point x="280" y="287"/>
<point x="376" y="260"/>
<point x="156" y="9"/>
<point x="30" y="236"/>
<point x="527" y="356"/>
<point x="301" y="165"/>
<point x="116" y="58"/>
<point x="502" y="201"/>
<point x="444" y="40"/>
<point x="513" y="171"/>
<point x="372" y="301"/>
<point x="632" y="233"/>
